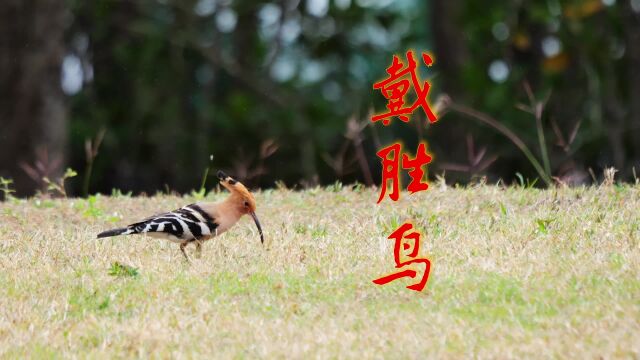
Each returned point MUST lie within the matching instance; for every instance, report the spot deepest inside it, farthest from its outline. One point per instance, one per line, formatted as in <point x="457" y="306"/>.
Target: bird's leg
<point x="198" y="249"/>
<point x="182" y="246"/>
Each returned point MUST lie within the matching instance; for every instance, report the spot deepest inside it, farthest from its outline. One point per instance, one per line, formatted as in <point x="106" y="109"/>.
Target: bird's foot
<point x="182" y="246"/>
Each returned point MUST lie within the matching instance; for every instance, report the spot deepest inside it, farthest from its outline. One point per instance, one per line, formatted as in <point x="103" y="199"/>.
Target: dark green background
<point x="170" y="89"/>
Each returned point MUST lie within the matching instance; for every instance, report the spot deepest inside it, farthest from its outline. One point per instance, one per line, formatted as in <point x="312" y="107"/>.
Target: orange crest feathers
<point x="236" y="187"/>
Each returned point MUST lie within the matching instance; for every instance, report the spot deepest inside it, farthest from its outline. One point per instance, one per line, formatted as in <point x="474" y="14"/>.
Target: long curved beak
<point x="255" y="219"/>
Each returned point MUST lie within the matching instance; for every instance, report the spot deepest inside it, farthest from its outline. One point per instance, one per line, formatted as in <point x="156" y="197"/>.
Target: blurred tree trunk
<point x="449" y="41"/>
<point x="633" y="46"/>
<point x="451" y="53"/>
<point x="245" y="36"/>
<point x="32" y="105"/>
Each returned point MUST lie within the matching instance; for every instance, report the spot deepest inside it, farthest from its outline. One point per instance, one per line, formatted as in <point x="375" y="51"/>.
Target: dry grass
<point x="516" y="272"/>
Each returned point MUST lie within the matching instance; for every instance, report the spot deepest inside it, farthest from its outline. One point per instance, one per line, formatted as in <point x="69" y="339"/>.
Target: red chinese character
<point x="390" y="170"/>
<point x="416" y="172"/>
<point x="396" y="86"/>
<point x="411" y="252"/>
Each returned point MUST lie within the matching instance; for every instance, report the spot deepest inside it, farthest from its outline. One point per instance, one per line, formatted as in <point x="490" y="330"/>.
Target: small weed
<point x="616" y="261"/>
<point x="91" y="208"/>
<point x="281" y="185"/>
<point x="5" y="187"/>
<point x="414" y="213"/>
<point x="117" y="193"/>
<point x="58" y="186"/>
<point x="543" y="225"/>
<point x="300" y="228"/>
<point x="91" y="147"/>
<point x="104" y="304"/>
<point x="528" y="184"/>
<point x="503" y="209"/>
<point x="335" y="187"/>
<point x="200" y="194"/>
<point x="121" y="270"/>
<point x="114" y="218"/>
<point x="435" y="223"/>
<point x="319" y="231"/>
<point x="392" y="226"/>
<point x="44" y="204"/>
<point x="357" y="187"/>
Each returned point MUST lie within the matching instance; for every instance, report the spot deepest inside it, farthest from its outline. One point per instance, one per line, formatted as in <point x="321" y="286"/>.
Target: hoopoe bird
<point x="197" y="222"/>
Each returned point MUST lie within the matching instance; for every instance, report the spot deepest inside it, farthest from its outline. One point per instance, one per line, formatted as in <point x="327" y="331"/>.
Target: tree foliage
<point x="268" y="88"/>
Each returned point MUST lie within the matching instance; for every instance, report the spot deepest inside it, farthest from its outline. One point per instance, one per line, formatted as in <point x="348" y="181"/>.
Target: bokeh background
<point x="145" y="95"/>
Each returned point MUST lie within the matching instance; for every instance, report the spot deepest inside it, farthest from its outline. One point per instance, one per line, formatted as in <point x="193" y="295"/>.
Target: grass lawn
<point x="515" y="273"/>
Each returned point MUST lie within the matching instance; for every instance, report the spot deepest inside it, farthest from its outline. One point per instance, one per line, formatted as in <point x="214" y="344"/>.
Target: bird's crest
<point x="236" y="187"/>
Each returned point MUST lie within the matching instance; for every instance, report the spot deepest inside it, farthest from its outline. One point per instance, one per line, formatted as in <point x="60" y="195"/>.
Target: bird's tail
<point x="116" y="232"/>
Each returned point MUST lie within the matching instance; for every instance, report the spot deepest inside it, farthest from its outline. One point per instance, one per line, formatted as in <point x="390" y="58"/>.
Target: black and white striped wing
<point x="186" y="224"/>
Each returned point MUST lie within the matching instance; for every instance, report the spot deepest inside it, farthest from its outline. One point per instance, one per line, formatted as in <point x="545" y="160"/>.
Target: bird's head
<point x="242" y="198"/>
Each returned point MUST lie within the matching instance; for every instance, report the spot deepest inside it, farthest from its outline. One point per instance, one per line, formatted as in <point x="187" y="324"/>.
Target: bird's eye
<point x="246" y="204"/>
